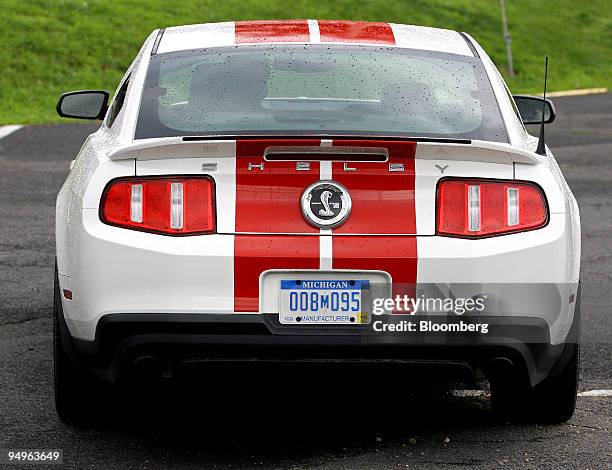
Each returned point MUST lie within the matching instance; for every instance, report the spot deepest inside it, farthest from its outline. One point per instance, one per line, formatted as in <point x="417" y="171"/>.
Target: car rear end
<point x="285" y="202"/>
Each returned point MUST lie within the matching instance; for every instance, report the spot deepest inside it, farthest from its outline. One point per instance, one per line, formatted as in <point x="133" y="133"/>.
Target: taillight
<point x="168" y="205"/>
<point x="484" y="208"/>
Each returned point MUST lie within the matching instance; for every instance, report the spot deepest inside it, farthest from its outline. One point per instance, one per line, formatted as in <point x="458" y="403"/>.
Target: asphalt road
<point x="251" y="423"/>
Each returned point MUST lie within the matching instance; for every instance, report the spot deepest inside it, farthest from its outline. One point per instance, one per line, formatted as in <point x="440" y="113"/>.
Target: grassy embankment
<point x="49" y="46"/>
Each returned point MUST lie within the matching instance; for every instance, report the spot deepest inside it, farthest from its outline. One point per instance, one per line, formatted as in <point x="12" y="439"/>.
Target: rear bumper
<point x="115" y="271"/>
<point x="513" y="345"/>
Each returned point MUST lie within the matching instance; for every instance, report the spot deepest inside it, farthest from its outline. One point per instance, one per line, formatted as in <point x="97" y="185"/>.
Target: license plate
<point x="323" y="301"/>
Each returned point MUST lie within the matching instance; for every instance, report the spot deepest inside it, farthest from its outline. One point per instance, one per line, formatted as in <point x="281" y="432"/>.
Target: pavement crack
<point x="23" y="320"/>
<point x="503" y="441"/>
<point x="594" y="428"/>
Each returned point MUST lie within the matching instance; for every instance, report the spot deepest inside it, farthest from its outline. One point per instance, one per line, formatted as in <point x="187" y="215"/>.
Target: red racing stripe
<point x="255" y="254"/>
<point x="396" y="255"/>
<point x="269" y="201"/>
<point x="356" y="32"/>
<point x="383" y="201"/>
<point x="272" y="31"/>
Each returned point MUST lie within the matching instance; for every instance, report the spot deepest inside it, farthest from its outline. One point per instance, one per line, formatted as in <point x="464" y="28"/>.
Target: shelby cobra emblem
<point x="326" y="204"/>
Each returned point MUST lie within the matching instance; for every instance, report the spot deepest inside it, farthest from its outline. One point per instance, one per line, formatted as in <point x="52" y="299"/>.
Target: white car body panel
<point x="200" y="36"/>
<point x="114" y="270"/>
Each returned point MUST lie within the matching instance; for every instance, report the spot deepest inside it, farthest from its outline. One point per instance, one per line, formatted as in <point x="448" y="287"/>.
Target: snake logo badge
<point x="326" y="204"/>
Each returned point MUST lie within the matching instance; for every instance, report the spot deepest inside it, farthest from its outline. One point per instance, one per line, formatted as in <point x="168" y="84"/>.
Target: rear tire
<point x="552" y="401"/>
<point x="76" y="392"/>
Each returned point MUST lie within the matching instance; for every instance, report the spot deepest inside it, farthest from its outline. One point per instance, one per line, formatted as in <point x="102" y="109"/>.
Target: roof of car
<point x="178" y="38"/>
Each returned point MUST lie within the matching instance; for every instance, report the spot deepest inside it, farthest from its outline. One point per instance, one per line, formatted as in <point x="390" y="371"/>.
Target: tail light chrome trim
<point x="474" y="208"/>
<point x="513" y="206"/>
<point x="136" y="203"/>
<point x="176" y="206"/>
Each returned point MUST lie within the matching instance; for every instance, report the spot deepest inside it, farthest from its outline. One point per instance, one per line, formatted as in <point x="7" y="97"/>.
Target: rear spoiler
<point x="477" y="151"/>
<point x="173" y="147"/>
<point x="177" y="147"/>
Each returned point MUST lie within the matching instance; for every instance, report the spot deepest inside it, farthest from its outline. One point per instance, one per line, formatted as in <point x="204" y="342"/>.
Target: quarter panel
<point x="542" y="175"/>
<point x="124" y="271"/>
<point x="428" y="174"/>
<point x="527" y="273"/>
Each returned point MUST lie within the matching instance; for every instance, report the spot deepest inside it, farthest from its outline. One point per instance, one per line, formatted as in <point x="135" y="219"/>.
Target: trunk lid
<point x="270" y="184"/>
<point x="260" y="182"/>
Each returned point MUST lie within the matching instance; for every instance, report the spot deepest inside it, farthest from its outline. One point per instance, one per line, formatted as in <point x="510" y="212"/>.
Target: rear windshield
<point x="318" y="90"/>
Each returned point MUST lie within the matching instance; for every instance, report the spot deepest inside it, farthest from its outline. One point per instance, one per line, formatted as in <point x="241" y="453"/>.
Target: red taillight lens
<point x="168" y="205"/>
<point x="484" y="208"/>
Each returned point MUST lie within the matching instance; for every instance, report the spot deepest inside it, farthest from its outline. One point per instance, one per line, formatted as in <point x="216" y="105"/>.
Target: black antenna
<point x="541" y="150"/>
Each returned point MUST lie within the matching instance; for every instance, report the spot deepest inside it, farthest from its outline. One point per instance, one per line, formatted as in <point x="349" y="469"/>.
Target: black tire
<point x="552" y="401"/>
<point x="76" y="392"/>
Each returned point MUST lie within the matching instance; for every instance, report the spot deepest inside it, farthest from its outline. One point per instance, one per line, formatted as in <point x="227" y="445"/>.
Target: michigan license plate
<point x="323" y="301"/>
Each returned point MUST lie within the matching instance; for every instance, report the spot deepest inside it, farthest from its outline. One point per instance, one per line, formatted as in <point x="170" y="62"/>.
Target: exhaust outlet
<point x="148" y="366"/>
<point x="501" y="368"/>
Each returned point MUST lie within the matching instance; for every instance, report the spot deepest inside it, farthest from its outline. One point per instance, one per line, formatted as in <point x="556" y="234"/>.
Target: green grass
<point x="50" y="46"/>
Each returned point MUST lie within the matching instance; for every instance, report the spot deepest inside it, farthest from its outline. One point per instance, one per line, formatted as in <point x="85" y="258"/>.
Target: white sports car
<point x="317" y="190"/>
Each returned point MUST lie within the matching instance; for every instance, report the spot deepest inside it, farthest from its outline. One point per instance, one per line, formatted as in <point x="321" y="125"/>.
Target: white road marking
<point x="7" y="130"/>
<point x="478" y="393"/>
<point x="579" y="92"/>
<point x="467" y="393"/>
<point x="596" y="393"/>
